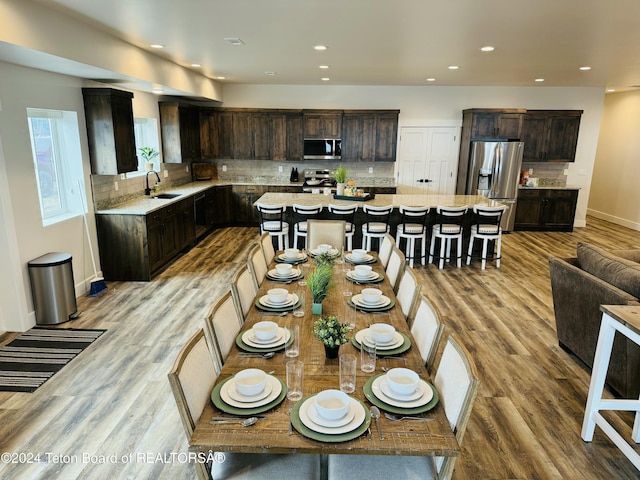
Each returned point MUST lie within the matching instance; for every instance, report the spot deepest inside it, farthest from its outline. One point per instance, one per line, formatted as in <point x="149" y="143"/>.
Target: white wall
<point x="615" y="195"/>
<point x="429" y="106"/>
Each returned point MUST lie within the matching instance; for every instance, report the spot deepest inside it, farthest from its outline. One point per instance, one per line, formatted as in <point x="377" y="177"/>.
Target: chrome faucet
<point x="147" y="191"/>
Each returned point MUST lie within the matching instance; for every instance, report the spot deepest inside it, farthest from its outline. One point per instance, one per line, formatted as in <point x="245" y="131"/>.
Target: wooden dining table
<point x="270" y="434"/>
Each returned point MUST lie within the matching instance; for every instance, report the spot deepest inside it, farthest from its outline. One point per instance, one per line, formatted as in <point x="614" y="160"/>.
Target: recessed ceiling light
<point x="324" y="67"/>
<point x="220" y="78"/>
<point x="196" y="65"/>
<point x="325" y="79"/>
<point x="234" y="41"/>
<point x="156" y="45"/>
<point x="611" y="90"/>
<point x="539" y="79"/>
<point x="488" y="48"/>
<point x="271" y="74"/>
<point x="585" y="68"/>
<point x="157" y="91"/>
<point x="320" y="47"/>
<point x="431" y="79"/>
<point x="453" y="67"/>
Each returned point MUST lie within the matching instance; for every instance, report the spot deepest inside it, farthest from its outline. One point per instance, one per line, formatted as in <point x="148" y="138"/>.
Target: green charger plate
<point x="368" y="392"/>
<point x="366" y="282"/>
<point x="406" y="345"/>
<point x="250" y="348"/>
<point x="366" y="309"/>
<point x="325" y="437"/>
<point x="247" y="412"/>
<point x="260" y="306"/>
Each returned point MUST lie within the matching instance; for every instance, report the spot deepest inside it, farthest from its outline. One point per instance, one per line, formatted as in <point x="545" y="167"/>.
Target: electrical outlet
<point x="115" y="185"/>
<point x="531" y="171"/>
<point x="224" y="168"/>
<point x="166" y="173"/>
<point x="186" y="168"/>
<point x="123" y="176"/>
<point x="279" y="168"/>
<point x="370" y="169"/>
<point x="566" y="172"/>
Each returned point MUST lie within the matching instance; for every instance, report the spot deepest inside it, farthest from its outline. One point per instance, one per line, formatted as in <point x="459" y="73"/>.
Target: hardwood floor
<point x="114" y="398"/>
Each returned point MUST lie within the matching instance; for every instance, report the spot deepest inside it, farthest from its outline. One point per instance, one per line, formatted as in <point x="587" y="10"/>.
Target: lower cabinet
<point x="546" y="209"/>
<point x="244" y="196"/>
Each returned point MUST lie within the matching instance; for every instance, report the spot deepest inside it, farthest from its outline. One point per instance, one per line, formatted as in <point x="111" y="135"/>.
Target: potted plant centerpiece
<point x="148" y="153"/>
<point x="332" y="333"/>
<point x="318" y="282"/>
<point x="341" y="177"/>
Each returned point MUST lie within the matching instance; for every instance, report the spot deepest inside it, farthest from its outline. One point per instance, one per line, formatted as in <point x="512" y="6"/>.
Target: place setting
<point x="364" y="274"/>
<point x="401" y="391"/>
<point x="264" y="337"/>
<point x="324" y="248"/>
<point x="292" y="256"/>
<point x="278" y="300"/>
<point x="371" y="300"/>
<point x="284" y="272"/>
<point x="248" y="392"/>
<point x="383" y="338"/>
<point x="359" y="256"/>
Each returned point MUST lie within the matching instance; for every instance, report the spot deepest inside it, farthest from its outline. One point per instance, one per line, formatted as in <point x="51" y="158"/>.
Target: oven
<point x="319" y="181"/>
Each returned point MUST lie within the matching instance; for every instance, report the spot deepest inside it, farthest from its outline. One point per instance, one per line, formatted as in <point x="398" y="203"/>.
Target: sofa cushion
<point x="631" y="254"/>
<point x="619" y="272"/>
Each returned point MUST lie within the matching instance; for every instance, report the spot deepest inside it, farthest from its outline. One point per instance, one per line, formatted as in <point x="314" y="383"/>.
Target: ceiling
<point x="384" y="42"/>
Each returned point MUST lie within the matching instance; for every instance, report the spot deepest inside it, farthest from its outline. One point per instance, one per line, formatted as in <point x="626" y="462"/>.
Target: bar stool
<point x="447" y="229"/>
<point x="376" y="225"/>
<point x="346" y="213"/>
<point x="272" y="222"/>
<point x="411" y="229"/>
<point x="487" y="227"/>
<point x="302" y="214"/>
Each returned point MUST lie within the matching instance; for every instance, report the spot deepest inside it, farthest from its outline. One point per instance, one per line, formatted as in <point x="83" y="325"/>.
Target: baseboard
<point x="613" y="219"/>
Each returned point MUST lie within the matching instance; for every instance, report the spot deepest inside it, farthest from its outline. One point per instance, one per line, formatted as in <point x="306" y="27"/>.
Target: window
<point x="55" y="146"/>
<point x="146" y="133"/>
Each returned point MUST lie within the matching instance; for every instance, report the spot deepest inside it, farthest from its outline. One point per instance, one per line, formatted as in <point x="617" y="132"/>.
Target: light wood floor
<point x="114" y="399"/>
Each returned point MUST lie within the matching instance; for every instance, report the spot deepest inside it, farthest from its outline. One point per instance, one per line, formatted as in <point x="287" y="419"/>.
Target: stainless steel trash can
<point x="53" y="288"/>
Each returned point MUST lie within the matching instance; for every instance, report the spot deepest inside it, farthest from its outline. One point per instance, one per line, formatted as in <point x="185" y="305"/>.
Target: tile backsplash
<point x="550" y="174"/>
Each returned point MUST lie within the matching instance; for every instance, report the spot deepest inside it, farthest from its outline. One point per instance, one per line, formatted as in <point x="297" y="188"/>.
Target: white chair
<point x="267" y="248"/>
<point x="376" y="224"/>
<point x="457" y="383"/>
<point x="412" y="228"/>
<point x="192" y="378"/>
<point x="325" y="231"/>
<point x="257" y="264"/>
<point x="448" y="228"/>
<point x="487" y="227"/>
<point x="302" y="214"/>
<point x="222" y="325"/>
<point x="243" y="290"/>
<point x="395" y="267"/>
<point x="272" y="221"/>
<point x="408" y="291"/>
<point x="348" y="214"/>
<point x="385" y="249"/>
<point x="426" y="329"/>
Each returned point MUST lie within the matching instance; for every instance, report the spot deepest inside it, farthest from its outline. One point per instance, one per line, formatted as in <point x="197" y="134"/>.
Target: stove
<point x="319" y="181"/>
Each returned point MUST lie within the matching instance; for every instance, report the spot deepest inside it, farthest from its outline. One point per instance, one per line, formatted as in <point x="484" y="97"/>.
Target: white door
<point x="428" y="160"/>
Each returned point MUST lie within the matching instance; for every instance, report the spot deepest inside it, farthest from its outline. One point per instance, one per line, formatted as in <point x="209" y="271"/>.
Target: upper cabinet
<point x="180" y="127"/>
<point x="322" y="123"/>
<point x="494" y="123"/>
<point x="550" y="135"/>
<point x="109" y="118"/>
<point x="369" y="135"/>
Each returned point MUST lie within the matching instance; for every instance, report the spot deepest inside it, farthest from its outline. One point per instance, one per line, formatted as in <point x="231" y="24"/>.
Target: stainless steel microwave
<point x="322" y="149"/>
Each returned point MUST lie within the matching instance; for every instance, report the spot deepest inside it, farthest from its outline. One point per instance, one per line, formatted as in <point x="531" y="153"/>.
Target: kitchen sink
<point x="167" y="196"/>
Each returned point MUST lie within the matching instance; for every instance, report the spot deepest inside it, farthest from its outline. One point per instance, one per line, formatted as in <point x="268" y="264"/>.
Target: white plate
<point x="427" y="394"/>
<point x="367" y="258"/>
<point x="333" y="252"/>
<point x="315" y="417"/>
<point x="292" y="299"/>
<point x="386" y="389"/>
<point x="301" y="256"/>
<point x="357" y="300"/>
<point x="278" y="337"/>
<point x="276" y="388"/>
<point x="396" y="342"/>
<point x="370" y="276"/>
<point x="274" y="273"/>
<point x="355" y="406"/>
<point x="236" y="395"/>
<point x="286" y="334"/>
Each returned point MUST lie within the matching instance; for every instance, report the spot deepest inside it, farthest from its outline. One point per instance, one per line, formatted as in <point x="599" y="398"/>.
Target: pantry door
<point x="428" y="160"/>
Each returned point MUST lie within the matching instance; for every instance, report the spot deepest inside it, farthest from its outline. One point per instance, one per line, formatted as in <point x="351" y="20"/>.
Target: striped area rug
<point x="36" y="355"/>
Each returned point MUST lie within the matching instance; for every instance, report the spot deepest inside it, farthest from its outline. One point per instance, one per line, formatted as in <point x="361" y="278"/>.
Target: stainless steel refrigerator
<point x="494" y="171"/>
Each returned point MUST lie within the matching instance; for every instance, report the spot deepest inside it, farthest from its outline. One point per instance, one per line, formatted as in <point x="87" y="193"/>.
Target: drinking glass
<point x="299" y="311"/>
<point x="295" y="374"/>
<point x="368" y="354"/>
<point x="347" y="372"/>
<point x="304" y="270"/>
<point x="293" y="349"/>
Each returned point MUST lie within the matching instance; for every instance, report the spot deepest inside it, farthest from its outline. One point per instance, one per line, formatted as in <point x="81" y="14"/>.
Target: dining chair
<point x="348" y="214"/>
<point x="271" y="219"/>
<point x="487" y="227"/>
<point x="385" y="249"/>
<point x="413" y="228"/>
<point x="408" y="292"/>
<point x="222" y="324"/>
<point x="192" y="378"/>
<point x="448" y="228"/>
<point x="325" y="231"/>
<point x="303" y="213"/>
<point x="257" y="264"/>
<point x="426" y="328"/>
<point x="376" y="224"/>
<point x="456" y="381"/>
<point x="243" y="290"/>
<point x="395" y="267"/>
<point x="267" y="248"/>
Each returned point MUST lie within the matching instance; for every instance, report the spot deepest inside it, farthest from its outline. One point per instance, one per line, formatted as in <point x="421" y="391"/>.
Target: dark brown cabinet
<point x="109" y="119"/>
<point x="322" y="123"/>
<point x="369" y="136"/>
<point x="244" y="213"/>
<point x="546" y="209"/>
<point x="550" y="135"/>
<point x="180" y="128"/>
<point x="251" y="136"/>
<point x="490" y="124"/>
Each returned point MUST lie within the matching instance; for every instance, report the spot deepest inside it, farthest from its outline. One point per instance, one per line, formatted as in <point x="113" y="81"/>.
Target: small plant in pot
<point x="332" y="333"/>
<point x="148" y="154"/>
<point x="341" y="177"/>
<point x="318" y="281"/>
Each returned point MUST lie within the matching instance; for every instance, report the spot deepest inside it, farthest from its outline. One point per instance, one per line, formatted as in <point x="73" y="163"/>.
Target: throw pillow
<point x="619" y="272"/>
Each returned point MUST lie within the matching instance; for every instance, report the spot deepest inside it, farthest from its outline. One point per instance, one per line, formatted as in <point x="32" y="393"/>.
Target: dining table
<point x="273" y="432"/>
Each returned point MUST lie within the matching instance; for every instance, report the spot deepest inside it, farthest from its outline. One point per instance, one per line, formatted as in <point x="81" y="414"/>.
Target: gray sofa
<point x="579" y="286"/>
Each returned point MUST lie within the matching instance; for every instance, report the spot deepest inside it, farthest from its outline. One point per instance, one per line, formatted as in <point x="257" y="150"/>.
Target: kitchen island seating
<point x="408" y="292"/>
<point x="271" y="219"/>
<point x="243" y="291"/>
<point x="448" y="227"/>
<point x="267" y="248"/>
<point x="348" y="214"/>
<point x="487" y="227"/>
<point x="192" y="378"/>
<point x="222" y="324"/>
<point x="257" y="264"/>
<point x="376" y="224"/>
<point x="395" y="267"/>
<point x="413" y="227"/>
<point x="302" y="214"/>
<point x="457" y="383"/>
<point x="330" y="232"/>
<point x="427" y="328"/>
